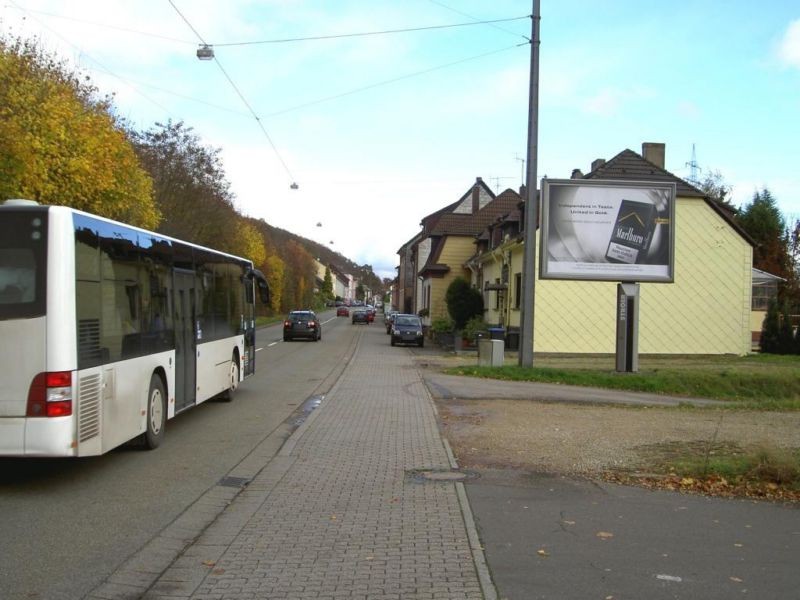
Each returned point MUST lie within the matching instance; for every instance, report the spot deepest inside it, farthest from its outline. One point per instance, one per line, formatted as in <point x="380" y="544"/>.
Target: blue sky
<point x="379" y="131"/>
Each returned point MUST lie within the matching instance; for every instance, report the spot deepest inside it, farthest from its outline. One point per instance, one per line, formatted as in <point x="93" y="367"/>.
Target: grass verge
<point x="759" y="382"/>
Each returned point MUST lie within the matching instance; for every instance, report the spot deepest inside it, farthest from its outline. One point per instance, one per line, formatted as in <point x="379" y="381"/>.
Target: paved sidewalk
<point x="342" y="511"/>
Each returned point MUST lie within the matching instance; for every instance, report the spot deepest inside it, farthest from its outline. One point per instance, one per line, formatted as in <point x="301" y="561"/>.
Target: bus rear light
<point x="50" y="395"/>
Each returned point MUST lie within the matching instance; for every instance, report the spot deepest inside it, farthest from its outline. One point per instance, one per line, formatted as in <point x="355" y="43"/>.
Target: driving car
<point x="342" y="311"/>
<point x="407" y="329"/>
<point x="360" y="316"/>
<point x="302" y="324"/>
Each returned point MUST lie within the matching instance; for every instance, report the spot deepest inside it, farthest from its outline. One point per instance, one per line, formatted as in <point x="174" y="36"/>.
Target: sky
<point x="378" y="131"/>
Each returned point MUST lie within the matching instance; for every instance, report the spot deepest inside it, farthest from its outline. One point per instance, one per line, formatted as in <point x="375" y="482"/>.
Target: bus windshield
<point x="23" y="267"/>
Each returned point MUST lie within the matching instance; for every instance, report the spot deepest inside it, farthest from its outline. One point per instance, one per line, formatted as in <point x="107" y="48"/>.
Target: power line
<point x="104" y="25"/>
<point x="479" y="22"/>
<point x="367" y="33"/>
<point x="94" y="60"/>
<point x="241" y="96"/>
<point x="388" y="81"/>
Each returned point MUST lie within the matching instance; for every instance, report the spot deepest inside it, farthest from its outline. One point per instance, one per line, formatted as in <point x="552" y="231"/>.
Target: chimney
<point x="654" y="153"/>
<point x="597" y="163"/>
<point x="576" y="174"/>
<point x="476" y="195"/>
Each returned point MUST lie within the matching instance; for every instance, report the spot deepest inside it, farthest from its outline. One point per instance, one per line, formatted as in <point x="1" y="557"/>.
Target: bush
<point x="463" y="302"/>
<point x="424" y="312"/>
<point x="474" y="326"/>
<point x="442" y="325"/>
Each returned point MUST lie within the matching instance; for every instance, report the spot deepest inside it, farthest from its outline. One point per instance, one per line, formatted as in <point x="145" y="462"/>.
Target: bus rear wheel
<point x="233" y="380"/>
<point x="156" y="413"/>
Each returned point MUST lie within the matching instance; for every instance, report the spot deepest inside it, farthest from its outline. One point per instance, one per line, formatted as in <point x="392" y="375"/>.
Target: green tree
<point x="463" y="302"/>
<point x="770" y="329"/>
<point x="763" y="221"/>
<point x="327" y="284"/>
<point x="61" y="144"/>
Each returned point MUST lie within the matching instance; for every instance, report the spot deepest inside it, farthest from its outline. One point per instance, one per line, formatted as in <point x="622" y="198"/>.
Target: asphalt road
<point x="571" y="539"/>
<point x="66" y="524"/>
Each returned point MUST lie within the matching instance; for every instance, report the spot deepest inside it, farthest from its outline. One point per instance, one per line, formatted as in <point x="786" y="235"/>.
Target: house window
<point x="763" y="292"/>
<point x="517" y="290"/>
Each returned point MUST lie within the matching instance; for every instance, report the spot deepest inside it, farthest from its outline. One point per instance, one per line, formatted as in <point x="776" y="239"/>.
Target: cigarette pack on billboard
<point x="632" y="232"/>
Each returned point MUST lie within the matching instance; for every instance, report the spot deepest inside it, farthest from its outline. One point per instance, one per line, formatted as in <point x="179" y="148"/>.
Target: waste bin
<point x="497" y="333"/>
<point x="490" y="353"/>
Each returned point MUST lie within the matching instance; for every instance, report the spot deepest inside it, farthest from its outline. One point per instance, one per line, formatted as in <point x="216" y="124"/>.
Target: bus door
<point x="185" y="339"/>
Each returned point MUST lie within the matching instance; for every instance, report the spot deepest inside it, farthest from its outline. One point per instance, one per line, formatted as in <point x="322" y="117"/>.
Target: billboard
<point x="607" y="230"/>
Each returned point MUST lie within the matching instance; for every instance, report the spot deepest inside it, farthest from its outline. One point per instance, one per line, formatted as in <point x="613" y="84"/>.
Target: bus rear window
<point x="23" y="252"/>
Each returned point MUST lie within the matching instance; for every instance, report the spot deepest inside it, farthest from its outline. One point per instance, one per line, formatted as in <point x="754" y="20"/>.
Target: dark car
<point x="302" y="324"/>
<point x="361" y="316"/>
<point x="407" y="329"/>
<point x="342" y="311"/>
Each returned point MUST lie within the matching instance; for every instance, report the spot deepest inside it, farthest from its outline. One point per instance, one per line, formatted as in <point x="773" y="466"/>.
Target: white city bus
<point x="107" y="330"/>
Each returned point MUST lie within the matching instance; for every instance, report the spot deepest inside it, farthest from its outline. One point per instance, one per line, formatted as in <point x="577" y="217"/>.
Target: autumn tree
<point x="190" y="186"/>
<point x="299" y="277"/>
<point x="61" y="144"/>
<point x="275" y="271"/>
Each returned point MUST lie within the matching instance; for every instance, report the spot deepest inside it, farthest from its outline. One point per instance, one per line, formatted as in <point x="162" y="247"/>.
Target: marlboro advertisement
<point x="607" y="230"/>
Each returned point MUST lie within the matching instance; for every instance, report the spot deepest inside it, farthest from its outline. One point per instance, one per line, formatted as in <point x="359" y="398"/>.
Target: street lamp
<point x="205" y="52"/>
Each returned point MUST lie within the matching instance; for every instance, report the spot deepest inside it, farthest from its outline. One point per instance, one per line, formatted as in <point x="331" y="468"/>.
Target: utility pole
<point x="531" y="202"/>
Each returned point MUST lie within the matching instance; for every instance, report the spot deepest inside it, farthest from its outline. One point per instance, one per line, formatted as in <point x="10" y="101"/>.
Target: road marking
<point x="271" y="345"/>
<point x="669" y="578"/>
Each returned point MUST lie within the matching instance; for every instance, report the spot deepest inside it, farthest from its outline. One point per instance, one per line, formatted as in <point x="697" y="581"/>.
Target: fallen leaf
<point x="604" y="535"/>
<point x="209" y="563"/>
<point x="736" y="579"/>
<point x="569" y="522"/>
<point x="687" y="481"/>
<point x="218" y="571"/>
<point x="739" y="545"/>
<point x="542" y="553"/>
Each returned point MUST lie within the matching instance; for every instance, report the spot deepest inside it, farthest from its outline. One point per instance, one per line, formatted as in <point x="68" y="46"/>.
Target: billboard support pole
<point x="628" y="328"/>
<point x="531" y="200"/>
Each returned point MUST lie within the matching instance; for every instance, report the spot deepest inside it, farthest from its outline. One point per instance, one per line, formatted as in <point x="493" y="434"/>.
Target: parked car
<point x="342" y="311"/>
<point x="407" y="329"/>
<point x="302" y="324"/>
<point x="388" y="318"/>
<point x="360" y="316"/>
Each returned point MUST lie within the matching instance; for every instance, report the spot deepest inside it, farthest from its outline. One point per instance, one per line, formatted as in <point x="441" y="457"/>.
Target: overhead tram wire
<point x="102" y="67"/>
<point x="393" y="80"/>
<point x="478" y="21"/>
<point x="293" y="184"/>
<point x="368" y="33"/>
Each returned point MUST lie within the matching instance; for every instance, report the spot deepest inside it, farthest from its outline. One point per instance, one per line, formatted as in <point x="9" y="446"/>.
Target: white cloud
<point x="789" y="47"/>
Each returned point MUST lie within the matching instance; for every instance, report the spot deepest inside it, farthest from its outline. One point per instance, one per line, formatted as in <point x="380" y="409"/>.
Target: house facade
<point x="707" y="310"/>
<point x="438" y="254"/>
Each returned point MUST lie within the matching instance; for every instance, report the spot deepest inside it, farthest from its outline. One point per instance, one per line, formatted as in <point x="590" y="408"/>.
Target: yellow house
<point x="707" y="310"/>
<point x="434" y="257"/>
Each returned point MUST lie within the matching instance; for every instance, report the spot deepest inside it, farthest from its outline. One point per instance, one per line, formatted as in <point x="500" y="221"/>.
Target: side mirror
<point x="261" y="281"/>
<point x="263" y="291"/>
